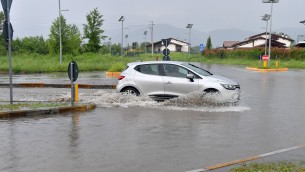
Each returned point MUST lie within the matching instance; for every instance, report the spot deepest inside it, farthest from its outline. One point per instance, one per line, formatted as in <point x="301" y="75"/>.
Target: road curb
<point x="113" y="74"/>
<point x="235" y="162"/>
<point x="43" y="85"/>
<point x="267" y="70"/>
<point x="47" y="111"/>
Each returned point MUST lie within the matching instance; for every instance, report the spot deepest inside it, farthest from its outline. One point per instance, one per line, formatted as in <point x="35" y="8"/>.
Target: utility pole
<point x="110" y="46"/>
<point x="152" y="38"/>
<point x="145" y="33"/>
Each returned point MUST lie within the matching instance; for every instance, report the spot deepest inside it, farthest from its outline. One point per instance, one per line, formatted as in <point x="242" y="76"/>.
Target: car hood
<point x="223" y="79"/>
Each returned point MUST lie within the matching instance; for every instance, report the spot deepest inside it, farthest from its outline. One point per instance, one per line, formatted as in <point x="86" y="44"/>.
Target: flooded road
<point x="137" y="134"/>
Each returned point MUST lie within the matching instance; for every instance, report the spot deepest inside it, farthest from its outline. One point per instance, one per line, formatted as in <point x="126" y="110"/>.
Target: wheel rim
<point x="130" y="92"/>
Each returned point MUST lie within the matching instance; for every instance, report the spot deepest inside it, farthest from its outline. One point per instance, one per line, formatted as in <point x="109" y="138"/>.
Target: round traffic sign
<point x="73" y="73"/>
<point x="265" y="57"/>
<point x="166" y="52"/>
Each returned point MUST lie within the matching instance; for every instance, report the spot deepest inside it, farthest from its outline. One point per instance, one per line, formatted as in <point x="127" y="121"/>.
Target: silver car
<point x="169" y="79"/>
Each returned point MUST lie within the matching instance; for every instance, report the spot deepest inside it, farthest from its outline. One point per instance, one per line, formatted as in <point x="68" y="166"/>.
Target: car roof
<point x="155" y="62"/>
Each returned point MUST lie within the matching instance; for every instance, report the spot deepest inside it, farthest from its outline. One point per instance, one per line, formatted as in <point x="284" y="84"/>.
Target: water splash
<point x="190" y="102"/>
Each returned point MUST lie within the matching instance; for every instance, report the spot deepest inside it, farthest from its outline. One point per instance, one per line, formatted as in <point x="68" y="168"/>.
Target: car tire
<point x="130" y="91"/>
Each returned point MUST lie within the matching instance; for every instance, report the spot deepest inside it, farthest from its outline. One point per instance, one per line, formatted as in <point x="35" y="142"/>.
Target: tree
<point x="142" y="47"/>
<point x="93" y="31"/>
<point x="70" y="34"/>
<point x="3" y="44"/>
<point x="209" y="44"/>
<point x="74" y="37"/>
<point x="116" y="49"/>
<point x="35" y="44"/>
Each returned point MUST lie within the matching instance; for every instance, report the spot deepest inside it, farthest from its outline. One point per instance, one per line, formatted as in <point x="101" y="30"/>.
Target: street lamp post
<point x="122" y="20"/>
<point x="189" y="26"/>
<point x="152" y="38"/>
<point x="266" y="18"/>
<point x="126" y="36"/>
<point x="270" y="35"/>
<point x="60" y="39"/>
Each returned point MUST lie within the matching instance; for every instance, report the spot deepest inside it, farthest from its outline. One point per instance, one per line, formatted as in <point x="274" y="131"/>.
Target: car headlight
<point x="228" y="86"/>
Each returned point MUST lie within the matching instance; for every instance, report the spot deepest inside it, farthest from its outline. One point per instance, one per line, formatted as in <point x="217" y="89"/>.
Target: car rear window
<point x="150" y="69"/>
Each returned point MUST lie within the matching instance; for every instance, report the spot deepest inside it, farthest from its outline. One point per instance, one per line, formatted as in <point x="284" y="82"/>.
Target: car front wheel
<point x="130" y="91"/>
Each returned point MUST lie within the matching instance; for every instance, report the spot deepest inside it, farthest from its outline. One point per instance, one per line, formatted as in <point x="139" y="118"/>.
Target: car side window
<point x="174" y="71"/>
<point x="150" y="69"/>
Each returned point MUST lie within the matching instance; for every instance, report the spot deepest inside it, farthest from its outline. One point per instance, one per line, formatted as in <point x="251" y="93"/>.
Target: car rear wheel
<point x="130" y="91"/>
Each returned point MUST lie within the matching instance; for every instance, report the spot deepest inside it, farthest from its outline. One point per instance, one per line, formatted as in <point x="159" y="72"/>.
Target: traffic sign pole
<point x="201" y="47"/>
<point x="73" y="74"/>
<point x="72" y="86"/>
<point x="6" y="4"/>
<point x="166" y="51"/>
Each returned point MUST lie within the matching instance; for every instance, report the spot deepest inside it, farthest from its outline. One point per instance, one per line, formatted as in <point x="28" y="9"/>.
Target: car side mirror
<point x="190" y="77"/>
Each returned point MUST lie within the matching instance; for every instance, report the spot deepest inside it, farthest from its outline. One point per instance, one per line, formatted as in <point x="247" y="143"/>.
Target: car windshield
<point x="197" y="69"/>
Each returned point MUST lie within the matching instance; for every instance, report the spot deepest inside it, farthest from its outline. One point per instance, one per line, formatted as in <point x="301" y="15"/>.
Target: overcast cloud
<point x="34" y="17"/>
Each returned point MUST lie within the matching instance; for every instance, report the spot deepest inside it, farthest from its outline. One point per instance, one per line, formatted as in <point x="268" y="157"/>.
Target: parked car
<point x="169" y="79"/>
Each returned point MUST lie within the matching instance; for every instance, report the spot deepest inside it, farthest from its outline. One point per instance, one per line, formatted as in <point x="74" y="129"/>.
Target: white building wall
<point x="285" y="41"/>
<point x="249" y="45"/>
<point x="171" y="47"/>
<point x="259" y="42"/>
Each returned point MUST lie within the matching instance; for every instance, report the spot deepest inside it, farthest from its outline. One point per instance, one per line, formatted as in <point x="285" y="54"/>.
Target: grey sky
<point x="34" y="17"/>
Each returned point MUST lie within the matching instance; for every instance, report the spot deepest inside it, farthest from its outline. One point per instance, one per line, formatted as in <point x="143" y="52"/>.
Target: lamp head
<point x="189" y="26"/>
<point x="122" y="18"/>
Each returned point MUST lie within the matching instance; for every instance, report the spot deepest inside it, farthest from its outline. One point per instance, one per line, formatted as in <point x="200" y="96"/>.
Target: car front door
<point x="175" y="81"/>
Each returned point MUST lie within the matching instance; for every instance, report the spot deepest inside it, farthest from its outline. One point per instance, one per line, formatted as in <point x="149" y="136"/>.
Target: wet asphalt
<point x="141" y="135"/>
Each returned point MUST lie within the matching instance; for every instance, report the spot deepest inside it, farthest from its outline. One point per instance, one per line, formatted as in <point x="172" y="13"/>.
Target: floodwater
<point x="137" y="134"/>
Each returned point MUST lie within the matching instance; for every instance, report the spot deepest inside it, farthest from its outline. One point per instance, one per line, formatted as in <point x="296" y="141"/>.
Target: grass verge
<point x="281" y="166"/>
<point x="30" y="106"/>
<point x="35" y="63"/>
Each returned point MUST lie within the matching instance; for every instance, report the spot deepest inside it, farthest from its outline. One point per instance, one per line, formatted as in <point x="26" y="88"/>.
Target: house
<point x="175" y="45"/>
<point x="300" y="44"/>
<point x="229" y="44"/>
<point x="260" y="40"/>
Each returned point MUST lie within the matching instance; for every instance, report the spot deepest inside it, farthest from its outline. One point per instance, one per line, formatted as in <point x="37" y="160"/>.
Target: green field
<point x="36" y="63"/>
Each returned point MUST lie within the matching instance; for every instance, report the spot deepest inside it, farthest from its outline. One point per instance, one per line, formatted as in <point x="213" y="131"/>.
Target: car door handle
<point x="168" y="82"/>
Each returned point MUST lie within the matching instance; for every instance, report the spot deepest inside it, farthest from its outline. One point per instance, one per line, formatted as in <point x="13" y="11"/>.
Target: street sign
<point x="166" y="52"/>
<point x="73" y="73"/>
<point x="265" y="57"/>
<point x="201" y="47"/>
<point x="6" y="5"/>
<point x="166" y="58"/>
<point x="166" y="42"/>
<point x="6" y="32"/>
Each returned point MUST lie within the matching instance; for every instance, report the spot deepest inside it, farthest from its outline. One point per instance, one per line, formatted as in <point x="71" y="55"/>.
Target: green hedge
<point x="251" y="54"/>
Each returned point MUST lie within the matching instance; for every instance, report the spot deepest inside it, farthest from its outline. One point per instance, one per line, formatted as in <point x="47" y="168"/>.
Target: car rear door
<point x="175" y="81"/>
<point x="149" y="80"/>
